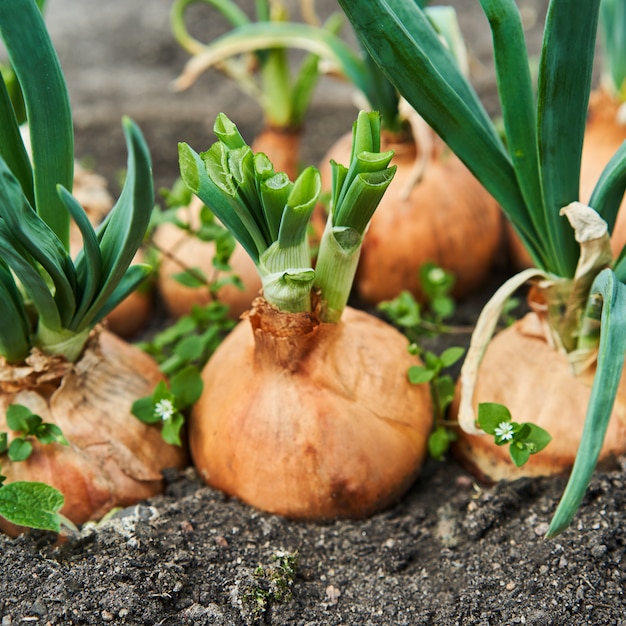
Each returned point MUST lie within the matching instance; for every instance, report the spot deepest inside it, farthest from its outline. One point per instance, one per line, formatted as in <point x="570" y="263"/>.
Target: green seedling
<point x="30" y="426"/>
<point x="167" y="403"/>
<point x="272" y="584"/>
<point x="26" y="503"/>
<point x="522" y="439"/>
<point x="419" y="321"/>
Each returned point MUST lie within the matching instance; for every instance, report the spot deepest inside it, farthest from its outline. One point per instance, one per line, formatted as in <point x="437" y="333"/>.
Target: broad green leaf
<point x="47" y="433"/>
<point x="444" y="386"/>
<point x="143" y="410"/>
<point x="194" y="279"/>
<point x="399" y="37"/>
<point x="22" y="264"/>
<point x="403" y="310"/>
<point x="31" y="504"/>
<point x="171" y="429"/>
<point x="186" y="386"/>
<point x="518" y="110"/>
<point x="609" y="190"/>
<point x="538" y="438"/>
<point x="135" y="275"/>
<point x="40" y="241"/>
<point x="189" y="349"/>
<point x="19" y="450"/>
<point x="418" y="374"/>
<point x="451" y="355"/>
<point x="14" y="331"/>
<point x="17" y="416"/>
<point x="89" y="260"/>
<point x="438" y="443"/>
<point x="12" y="148"/>
<point x="47" y="106"/>
<point x="491" y="415"/>
<point x="519" y="453"/>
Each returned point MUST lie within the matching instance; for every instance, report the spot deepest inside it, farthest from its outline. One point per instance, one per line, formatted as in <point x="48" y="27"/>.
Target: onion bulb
<point x="311" y="420"/>
<point x="535" y="382"/>
<point x="112" y="459"/>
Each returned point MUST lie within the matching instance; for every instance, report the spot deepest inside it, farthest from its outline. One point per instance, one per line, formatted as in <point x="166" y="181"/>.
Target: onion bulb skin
<point x="113" y="459"/>
<point x="535" y="382"/>
<point x="311" y="420"/>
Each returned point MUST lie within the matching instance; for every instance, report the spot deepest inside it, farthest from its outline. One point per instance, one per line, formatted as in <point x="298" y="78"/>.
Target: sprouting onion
<point x="268" y="214"/>
<point x="534" y="177"/>
<point x="51" y="362"/>
<point x="306" y="409"/>
<point x="69" y="297"/>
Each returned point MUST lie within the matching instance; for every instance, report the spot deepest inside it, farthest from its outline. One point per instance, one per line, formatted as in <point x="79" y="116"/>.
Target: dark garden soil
<point x="450" y="552"/>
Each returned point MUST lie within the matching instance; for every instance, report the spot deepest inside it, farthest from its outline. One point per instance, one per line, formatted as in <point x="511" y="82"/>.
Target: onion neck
<point x="282" y="340"/>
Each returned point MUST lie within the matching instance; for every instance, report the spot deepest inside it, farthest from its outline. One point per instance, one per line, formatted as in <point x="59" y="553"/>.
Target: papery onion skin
<point x="535" y="382"/>
<point x="113" y="459"/>
<point x="448" y="219"/>
<point x="310" y="420"/>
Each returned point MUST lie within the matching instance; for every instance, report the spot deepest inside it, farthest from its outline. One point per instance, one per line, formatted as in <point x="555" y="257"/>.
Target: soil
<point x="450" y="552"/>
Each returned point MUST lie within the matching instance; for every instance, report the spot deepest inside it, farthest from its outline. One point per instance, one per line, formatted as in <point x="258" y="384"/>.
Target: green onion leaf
<point x="611" y="352"/>
<point x="122" y="232"/>
<point x="14" y="331"/>
<point x="47" y="106"/>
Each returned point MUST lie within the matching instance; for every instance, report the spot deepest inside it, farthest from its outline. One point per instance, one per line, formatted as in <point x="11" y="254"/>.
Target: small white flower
<point x="436" y="275"/>
<point x="164" y="409"/>
<point x="504" y="431"/>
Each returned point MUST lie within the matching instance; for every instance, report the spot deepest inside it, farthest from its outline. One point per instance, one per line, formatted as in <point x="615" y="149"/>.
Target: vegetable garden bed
<point x="450" y="552"/>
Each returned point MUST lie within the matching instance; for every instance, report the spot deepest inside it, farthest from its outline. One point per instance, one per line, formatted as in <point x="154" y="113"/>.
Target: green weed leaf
<point x="439" y="443"/>
<point x="47" y="433"/>
<point x="451" y="356"/>
<point x="32" y="504"/>
<point x="419" y="374"/>
<point x="491" y="415"/>
<point x="143" y="410"/>
<point x="537" y="439"/>
<point x="194" y="279"/>
<point x="20" y="449"/>
<point x="171" y="429"/>
<point x="520" y="453"/>
<point x="186" y="387"/>
<point x="17" y="416"/>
